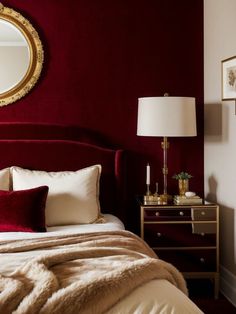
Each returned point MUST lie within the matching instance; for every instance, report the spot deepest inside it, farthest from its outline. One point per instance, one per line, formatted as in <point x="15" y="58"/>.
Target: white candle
<point x="148" y="174"/>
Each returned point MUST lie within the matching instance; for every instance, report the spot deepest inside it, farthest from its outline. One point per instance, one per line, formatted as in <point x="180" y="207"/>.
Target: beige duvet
<point x="77" y="273"/>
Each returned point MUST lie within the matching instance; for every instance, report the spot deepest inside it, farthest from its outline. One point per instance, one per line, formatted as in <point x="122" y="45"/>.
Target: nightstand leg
<point x="216" y="286"/>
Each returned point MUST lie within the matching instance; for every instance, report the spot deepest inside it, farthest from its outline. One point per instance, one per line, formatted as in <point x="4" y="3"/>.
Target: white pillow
<point x="73" y="196"/>
<point x="5" y="179"/>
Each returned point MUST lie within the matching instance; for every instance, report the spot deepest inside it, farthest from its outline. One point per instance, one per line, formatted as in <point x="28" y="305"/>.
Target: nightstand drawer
<point x="203" y="213"/>
<point x="180" y="234"/>
<point x="157" y="214"/>
<point x="190" y="260"/>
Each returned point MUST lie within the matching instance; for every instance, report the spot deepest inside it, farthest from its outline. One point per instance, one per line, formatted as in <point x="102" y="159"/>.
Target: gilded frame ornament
<point x="228" y="72"/>
<point x="36" y="56"/>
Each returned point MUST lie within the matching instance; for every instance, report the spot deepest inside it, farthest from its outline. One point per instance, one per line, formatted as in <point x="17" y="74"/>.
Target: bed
<point x="63" y="243"/>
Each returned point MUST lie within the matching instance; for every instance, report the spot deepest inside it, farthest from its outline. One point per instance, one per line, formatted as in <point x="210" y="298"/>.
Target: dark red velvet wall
<point x="100" y="56"/>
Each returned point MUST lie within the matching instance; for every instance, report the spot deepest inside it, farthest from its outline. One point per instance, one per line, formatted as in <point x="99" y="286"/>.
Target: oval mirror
<point x="21" y="56"/>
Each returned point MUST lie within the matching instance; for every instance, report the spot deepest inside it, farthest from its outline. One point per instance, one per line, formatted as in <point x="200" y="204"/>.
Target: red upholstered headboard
<point x="54" y="154"/>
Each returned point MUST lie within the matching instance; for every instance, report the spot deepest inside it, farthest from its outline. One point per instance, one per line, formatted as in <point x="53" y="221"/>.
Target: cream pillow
<point x="73" y="196"/>
<point x="5" y="179"/>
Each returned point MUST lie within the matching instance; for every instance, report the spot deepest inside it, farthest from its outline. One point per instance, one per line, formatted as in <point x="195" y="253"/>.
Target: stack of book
<point x="184" y="200"/>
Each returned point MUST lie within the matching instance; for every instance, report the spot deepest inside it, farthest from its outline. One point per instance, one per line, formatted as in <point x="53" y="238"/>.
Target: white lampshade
<point x="166" y="116"/>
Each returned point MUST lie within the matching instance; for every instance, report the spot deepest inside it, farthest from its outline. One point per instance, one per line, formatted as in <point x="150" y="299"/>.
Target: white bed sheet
<point x="154" y="297"/>
<point x="111" y="223"/>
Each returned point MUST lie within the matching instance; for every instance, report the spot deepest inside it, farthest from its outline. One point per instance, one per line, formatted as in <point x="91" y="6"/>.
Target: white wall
<point x="220" y="133"/>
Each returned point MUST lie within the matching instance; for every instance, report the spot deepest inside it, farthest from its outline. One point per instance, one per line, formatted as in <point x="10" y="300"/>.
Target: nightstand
<point x="186" y="236"/>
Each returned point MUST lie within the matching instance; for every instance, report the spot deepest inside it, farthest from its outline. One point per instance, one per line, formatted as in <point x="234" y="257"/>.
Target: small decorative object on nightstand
<point x="183" y="180"/>
<point x="187" y="200"/>
<point x="186" y="236"/>
<point x="149" y="198"/>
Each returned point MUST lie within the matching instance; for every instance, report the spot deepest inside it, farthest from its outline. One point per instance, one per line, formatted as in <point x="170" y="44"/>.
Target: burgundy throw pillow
<point x="23" y="210"/>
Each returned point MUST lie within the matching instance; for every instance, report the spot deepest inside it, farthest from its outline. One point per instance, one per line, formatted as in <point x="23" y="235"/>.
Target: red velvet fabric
<point x="100" y="56"/>
<point x="23" y="210"/>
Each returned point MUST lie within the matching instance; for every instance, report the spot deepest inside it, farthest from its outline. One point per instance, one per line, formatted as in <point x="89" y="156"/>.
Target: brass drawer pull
<point x="203" y="213"/>
<point x="181" y="213"/>
<point x="202" y="260"/>
<point x="159" y="234"/>
<point x="157" y="214"/>
<point x="202" y="234"/>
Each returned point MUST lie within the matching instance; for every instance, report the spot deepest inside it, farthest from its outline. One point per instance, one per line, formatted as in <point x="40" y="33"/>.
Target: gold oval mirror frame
<point x="21" y="56"/>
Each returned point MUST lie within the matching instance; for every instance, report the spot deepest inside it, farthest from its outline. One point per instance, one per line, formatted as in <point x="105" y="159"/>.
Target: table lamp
<point x="165" y="117"/>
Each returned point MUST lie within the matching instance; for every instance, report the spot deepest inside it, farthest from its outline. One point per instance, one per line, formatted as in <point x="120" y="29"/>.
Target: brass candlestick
<point x="148" y="190"/>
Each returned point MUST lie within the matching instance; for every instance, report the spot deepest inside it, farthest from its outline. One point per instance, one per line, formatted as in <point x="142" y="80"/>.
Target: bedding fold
<point x="79" y="273"/>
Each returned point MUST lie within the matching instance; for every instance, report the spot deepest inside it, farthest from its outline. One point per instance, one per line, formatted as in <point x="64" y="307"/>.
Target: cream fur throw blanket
<point x="82" y="273"/>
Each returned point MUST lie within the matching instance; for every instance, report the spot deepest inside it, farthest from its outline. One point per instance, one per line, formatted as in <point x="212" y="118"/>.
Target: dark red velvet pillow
<point x="23" y="210"/>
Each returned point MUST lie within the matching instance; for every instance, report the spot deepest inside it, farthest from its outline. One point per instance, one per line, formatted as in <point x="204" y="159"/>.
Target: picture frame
<point x="228" y="73"/>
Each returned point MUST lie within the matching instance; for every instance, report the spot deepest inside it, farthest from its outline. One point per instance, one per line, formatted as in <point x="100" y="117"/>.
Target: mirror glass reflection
<point x="14" y="56"/>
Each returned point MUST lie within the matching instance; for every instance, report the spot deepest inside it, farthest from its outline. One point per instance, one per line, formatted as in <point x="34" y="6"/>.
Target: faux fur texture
<point x="79" y="273"/>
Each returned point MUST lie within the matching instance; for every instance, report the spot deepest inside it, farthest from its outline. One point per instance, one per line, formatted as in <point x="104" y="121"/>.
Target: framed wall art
<point x="229" y="78"/>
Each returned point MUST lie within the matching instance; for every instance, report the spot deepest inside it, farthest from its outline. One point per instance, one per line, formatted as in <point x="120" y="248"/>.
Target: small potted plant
<point x="183" y="180"/>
